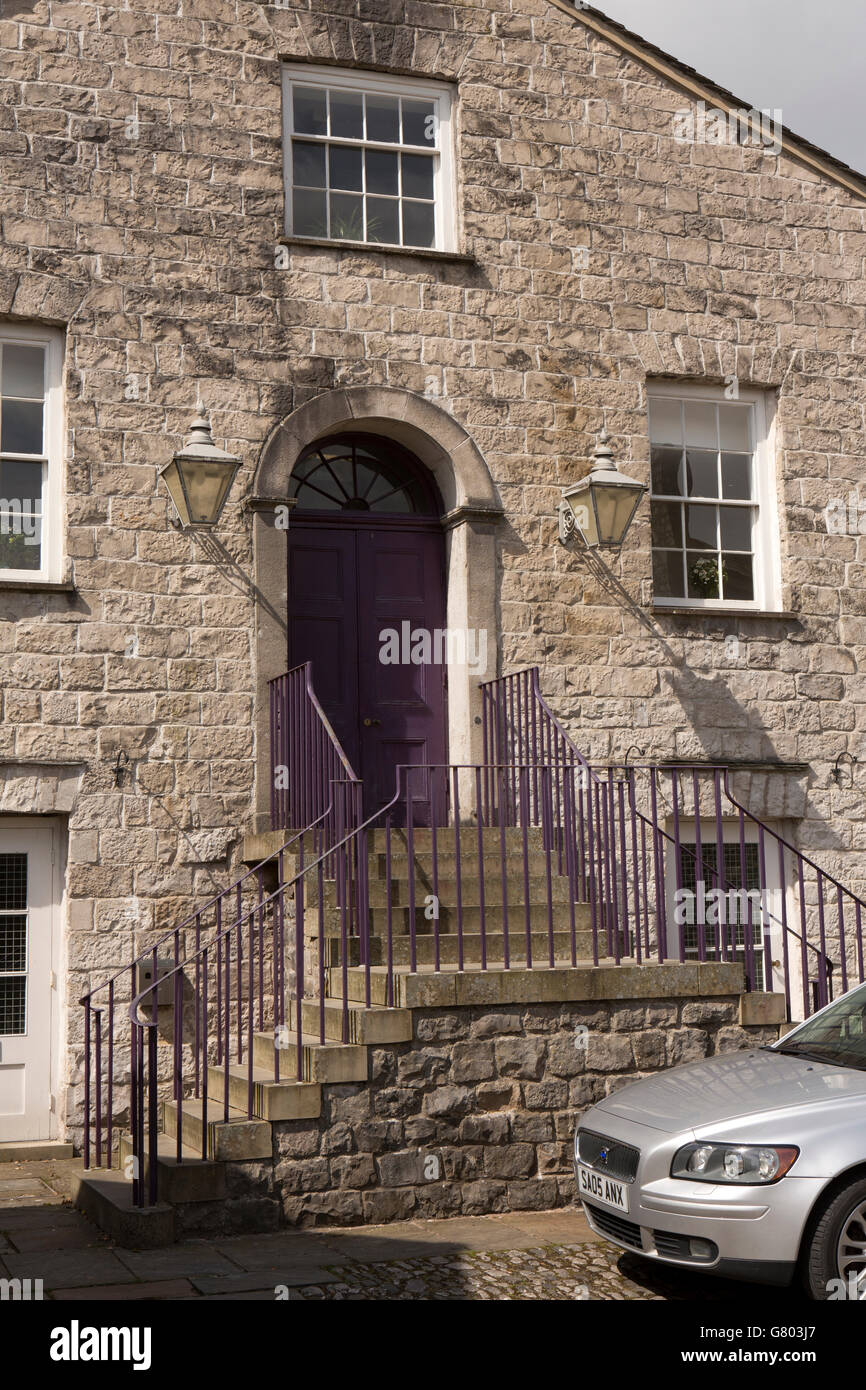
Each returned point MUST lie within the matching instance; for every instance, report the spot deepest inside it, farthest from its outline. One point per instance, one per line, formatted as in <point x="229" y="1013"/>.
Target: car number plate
<point x="598" y="1187"/>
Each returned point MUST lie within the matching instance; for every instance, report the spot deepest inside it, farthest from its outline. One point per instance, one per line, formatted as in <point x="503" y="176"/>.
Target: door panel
<point x="401" y="589"/>
<point x="347" y="585"/>
<point x="323" y="624"/>
<point x="26" y="963"/>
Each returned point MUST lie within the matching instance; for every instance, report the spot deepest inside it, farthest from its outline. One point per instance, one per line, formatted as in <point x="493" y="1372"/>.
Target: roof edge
<point x="681" y="75"/>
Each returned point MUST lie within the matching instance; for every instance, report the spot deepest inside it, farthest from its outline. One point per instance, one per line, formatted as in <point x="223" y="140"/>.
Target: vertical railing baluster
<point x="455" y="810"/>
<point x="99" y="1088"/>
<point x="481" y="891"/>
<point x="203" y="1039"/>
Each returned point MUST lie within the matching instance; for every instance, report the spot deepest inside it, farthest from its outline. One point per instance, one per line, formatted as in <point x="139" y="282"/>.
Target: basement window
<point x="368" y="159"/>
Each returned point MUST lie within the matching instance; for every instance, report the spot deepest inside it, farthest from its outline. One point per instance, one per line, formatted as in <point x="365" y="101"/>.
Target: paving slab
<point x="48" y="1238"/>
<point x="176" y="1261"/>
<point x="69" y="1269"/>
<point x="54" y="1218"/>
<point x="113" y="1293"/>
<point x="273" y="1250"/>
<point x="21" y="1192"/>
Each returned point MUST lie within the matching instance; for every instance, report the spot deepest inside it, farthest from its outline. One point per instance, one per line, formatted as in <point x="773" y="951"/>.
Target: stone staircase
<point x="185" y="1189"/>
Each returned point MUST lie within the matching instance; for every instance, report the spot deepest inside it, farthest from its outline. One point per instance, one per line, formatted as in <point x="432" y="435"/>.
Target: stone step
<point x="323" y="1062"/>
<point x="366" y="1027"/>
<point x="105" y="1197"/>
<point x="494" y="919"/>
<point x="422" y="837"/>
<point x="195" y="1179"/>
<point x="425" y="948"/>
<point x="426" y="988"/>
<point x="470" y="889"/>
<point x="286" y="1099"/>
<point x="238" y="1139"/>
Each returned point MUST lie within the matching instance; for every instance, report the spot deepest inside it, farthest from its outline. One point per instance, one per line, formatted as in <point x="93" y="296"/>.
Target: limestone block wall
<point x="140" y="162"/>
<point x="475" y="1115"/>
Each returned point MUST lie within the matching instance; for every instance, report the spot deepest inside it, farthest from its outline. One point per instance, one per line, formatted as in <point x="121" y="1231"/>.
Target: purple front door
<point x="357" y="592"/>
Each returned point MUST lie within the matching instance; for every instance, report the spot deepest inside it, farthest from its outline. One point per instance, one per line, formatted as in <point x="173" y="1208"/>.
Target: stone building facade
<point x="593" y="255"/>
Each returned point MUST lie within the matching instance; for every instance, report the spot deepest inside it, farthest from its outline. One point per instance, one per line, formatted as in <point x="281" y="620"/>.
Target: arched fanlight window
<point x="362" y="473"/>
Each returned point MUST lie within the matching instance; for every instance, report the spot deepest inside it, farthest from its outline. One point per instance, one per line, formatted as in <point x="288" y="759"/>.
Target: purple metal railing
<point x="632" y="843"/>
<point x="301" y="804"/>
<point x="306" y="756"/>
<point x="532" y="858"/>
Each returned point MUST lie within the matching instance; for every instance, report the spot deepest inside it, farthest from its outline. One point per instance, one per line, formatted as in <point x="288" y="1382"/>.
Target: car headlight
<point x="754" y="1164"/>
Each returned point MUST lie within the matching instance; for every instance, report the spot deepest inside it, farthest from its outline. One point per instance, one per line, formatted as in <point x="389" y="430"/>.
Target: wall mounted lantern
<point x="601" y="506"/>
<point x="199" y="477"/>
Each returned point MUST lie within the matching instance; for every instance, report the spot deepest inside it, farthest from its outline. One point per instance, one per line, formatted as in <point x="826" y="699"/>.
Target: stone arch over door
<point x="472" y="510"/>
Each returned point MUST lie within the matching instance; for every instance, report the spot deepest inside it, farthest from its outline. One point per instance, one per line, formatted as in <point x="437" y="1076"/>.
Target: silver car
<point x="749" y="1164"/>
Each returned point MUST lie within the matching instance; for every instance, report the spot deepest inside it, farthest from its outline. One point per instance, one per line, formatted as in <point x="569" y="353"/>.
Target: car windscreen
<point x="838" y="1035"/>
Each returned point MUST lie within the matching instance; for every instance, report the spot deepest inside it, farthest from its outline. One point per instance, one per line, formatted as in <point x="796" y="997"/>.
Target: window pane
<point x="13" y="943"/>
<point x="417" y="176"/>
<point x="381" y="171"/>
<point x="13" y="883"/>
<point x="347" y="114"/>
<point x="20" y="541"/>
<point x="21" y="427"/>
<point x="703" y="575"/>
<point x="419" y="123"/>
<point x="737" y="476"/>
<point x="738" y="579"/>
<point x="736" y="528"/>
<point x="347" y="217"/>
<point x="383" y="118"/>
<point x="702" y="472"/>
<point x="418" y="227"/>
<point x="667" y="524"/>
<point x="344" y="166"/>
<point x="13" y="993"/>
<point x="667" y="471"/>
<point x="308" y="164"/>
<point x="308" y="214"/>
<point x="21" y="483"/>
<point x="734" y="428"/>
<point x="23" y="370"/>
<point x="668" y="574"/>
<point x="394" y="502"/>
<point x="701" y="528"/>
<point x="666" y="421"/>
<point x="383" y="220"/>
<point x="310" y="110"/>
<point x="701" y="424"/>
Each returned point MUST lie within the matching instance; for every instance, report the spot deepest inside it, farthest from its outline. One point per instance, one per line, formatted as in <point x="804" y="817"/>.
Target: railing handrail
<point x="147" y="955"/>
<point x="723" y="768"/>
<point x="307" y="668"/>
<point x="188" y="921"/>
<point x="327" y="854"/>
<point x="282" y="888"/>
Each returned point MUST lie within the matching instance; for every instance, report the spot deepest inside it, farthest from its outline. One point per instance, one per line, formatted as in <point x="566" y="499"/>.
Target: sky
<point x="807" y="58"/>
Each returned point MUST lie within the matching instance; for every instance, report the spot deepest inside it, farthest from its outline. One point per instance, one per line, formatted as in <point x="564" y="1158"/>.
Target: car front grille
<point x="622" y="1159"/>
<point x="615" y="1227"/>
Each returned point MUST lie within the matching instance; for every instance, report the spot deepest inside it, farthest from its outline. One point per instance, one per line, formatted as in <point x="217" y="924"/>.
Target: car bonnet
<point x="733" y="1085"/>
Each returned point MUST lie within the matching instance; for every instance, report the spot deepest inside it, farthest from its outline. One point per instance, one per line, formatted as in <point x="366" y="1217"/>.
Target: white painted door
<point x="27" y="981"/>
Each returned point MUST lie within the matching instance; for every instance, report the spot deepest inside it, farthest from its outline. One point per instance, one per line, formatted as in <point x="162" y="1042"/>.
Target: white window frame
<point x="51" y="569"/>
<point x="766" y="552"/>
<point x="444" y="198"/>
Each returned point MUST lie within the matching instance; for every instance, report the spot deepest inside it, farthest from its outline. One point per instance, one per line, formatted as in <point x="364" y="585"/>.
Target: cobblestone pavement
<point x="518" y="1256"/>
<point x="554" y="1273"/>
